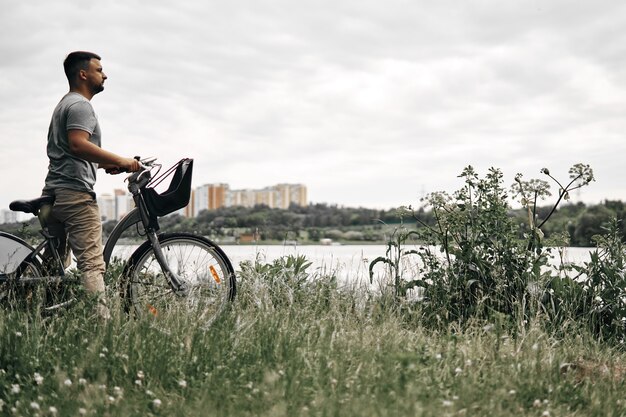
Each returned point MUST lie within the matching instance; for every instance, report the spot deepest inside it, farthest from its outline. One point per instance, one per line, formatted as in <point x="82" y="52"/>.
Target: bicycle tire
<point x="15" y="292"/>
<point x="198" y="262"/>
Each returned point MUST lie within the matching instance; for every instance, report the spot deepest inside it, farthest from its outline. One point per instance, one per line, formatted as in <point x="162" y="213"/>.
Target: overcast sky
<point x="369" y="103"/>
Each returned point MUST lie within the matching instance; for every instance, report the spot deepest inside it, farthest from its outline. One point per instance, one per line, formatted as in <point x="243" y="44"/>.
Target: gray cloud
<point x="368" y="103"/>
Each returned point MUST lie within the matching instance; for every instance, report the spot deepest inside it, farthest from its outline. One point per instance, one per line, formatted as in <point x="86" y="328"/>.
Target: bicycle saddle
<point x="31" y="206"/>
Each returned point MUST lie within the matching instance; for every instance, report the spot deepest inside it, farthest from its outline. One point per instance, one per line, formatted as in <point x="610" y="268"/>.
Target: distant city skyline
<point x="113" y="206"/>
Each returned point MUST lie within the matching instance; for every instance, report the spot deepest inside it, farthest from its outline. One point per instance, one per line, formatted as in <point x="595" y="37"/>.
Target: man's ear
<point x="82" y="74"/>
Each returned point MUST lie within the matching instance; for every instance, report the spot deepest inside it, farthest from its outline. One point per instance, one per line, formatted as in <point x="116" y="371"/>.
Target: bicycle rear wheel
<point x="199" y="263"/>
<point x="15" y="293"/>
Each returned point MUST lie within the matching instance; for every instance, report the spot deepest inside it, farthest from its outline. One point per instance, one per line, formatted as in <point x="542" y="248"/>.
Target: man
<point x="75" y="154"/>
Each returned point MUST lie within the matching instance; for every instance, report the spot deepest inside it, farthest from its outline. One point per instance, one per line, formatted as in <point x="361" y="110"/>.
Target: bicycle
<point x="168" y="272"/>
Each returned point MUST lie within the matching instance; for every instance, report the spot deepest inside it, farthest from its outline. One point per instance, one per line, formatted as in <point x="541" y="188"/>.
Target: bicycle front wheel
<point x="200" y="264"/>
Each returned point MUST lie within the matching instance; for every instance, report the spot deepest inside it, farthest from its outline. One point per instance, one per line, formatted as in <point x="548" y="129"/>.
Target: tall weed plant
<point x="478" y="263"/>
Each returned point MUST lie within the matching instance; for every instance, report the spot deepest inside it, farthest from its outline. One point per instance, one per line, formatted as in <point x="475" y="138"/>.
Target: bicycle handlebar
<point x="143" y="176"/>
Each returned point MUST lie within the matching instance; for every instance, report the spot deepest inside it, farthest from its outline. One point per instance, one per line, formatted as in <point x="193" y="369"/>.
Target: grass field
<point x="302" y="348"/>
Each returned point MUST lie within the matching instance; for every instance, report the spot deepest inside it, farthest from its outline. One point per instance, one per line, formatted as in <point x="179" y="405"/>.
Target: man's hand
<point x="129" y="165"/>
<point x="125" y="165"/>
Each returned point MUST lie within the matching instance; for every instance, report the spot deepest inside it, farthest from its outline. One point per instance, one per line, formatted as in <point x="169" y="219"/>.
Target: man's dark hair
<point x="77" y="61"/>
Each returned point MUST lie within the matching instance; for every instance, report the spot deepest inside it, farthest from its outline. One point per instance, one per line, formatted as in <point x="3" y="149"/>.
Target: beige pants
<point x="75" y="222"/>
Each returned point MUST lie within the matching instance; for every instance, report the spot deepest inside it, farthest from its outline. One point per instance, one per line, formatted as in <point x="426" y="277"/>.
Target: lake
<point x="349" y="263"/>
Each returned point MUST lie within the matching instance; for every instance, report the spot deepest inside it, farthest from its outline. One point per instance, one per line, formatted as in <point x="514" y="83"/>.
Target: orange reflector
<point x="153" y="310"/>
<point x="215" y="276"/>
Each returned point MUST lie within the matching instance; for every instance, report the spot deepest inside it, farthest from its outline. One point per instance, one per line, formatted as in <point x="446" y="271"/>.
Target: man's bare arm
<point x="81" y="147"/>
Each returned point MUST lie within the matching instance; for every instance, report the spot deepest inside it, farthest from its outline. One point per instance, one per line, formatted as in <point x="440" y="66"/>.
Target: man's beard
<point x="97" y="88"/>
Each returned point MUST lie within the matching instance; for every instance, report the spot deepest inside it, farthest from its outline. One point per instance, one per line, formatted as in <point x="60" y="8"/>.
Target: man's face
<point x="95" y="76"/>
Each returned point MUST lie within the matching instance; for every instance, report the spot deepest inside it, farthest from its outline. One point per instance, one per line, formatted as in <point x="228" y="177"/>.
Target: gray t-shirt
<point x="66" y="170"/>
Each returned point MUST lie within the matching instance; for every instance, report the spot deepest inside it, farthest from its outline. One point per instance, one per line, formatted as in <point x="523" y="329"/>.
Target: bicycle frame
<point x="140" y="213"/>
<point x="150" y="226"/>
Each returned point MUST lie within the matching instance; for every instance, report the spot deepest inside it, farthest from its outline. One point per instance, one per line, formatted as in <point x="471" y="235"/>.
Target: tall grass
<point x="294" y="344"/>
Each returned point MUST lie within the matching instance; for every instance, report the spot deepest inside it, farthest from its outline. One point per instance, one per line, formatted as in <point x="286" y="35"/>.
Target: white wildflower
<point x="117" y="391"/>
<point x="182" y="383"/>
<point x="67" y="382"/>
<point x="34" y="405"/>
<point x="53" y="410"/>
<point x="458" y="371"/>
<point x="156" y="403"/>
<point x="82" y="381"/>
<point x="18" y="334"/>
<point x="138" y="382"/>
<point x="447" y="403"/>
<point x="38" y="378"/>
<point x="537" y="403"/>
<point x="15" y="389"/>
<point x="545" y="414"/>
<point x="82" y="411"/>
<point x="140" y="374"/>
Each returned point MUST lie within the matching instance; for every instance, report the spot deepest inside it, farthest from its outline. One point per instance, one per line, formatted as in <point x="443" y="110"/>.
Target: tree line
<point x="577" y="222"/>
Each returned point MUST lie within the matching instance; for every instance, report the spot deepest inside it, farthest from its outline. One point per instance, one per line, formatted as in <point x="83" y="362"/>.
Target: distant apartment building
<point x="8" y="216"/>
<point x="116" y="206"/>
<point x="245" y="198"/>
<point x="106" y="204"/>
<point x="211" y="197"/>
